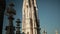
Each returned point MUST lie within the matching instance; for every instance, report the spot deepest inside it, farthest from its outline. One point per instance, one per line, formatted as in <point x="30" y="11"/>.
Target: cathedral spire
<point x="10" y="12"/>
<point x="30" y="21"/>
<point x="44" y="32"/>
<point x="18" y="27"/>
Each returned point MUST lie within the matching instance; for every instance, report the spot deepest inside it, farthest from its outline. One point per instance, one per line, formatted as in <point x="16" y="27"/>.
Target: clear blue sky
<point x="48" y="12"/>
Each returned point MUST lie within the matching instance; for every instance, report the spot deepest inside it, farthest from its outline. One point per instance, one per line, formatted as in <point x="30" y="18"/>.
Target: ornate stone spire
<point x="18" y="26"/>
<point x="10" y="12"/>
<point x="30" y="21"/>
<point x="44" y="32"/>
